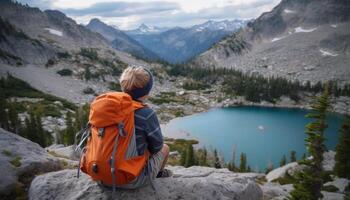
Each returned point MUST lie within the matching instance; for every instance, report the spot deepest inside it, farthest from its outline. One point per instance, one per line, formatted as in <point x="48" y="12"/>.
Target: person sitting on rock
<point x="138" y="82"/>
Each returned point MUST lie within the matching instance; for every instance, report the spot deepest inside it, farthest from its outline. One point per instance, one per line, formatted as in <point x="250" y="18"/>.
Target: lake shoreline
<point x="249" y="127"/>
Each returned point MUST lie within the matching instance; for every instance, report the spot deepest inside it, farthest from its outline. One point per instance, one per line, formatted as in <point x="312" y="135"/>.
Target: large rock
<point x="332" y="196"/>
<point x="276" y="191"/>
<point x="328" y="160"/>
<point x="21" y="157"/>
<point x="340" y="183"/>
<point x="281" y="171"/>
<point x="63" y="151"/>
<point x="187" y="183"/>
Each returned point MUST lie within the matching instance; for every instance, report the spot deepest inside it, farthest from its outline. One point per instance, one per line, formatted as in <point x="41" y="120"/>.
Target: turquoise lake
<point x="264" y="134"/>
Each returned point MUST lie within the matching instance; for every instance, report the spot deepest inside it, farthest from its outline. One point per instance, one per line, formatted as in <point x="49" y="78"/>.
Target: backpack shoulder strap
<point x="138" y="105"/>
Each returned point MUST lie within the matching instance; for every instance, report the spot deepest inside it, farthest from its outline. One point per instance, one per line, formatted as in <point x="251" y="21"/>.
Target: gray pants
<point x="154" y="164"/>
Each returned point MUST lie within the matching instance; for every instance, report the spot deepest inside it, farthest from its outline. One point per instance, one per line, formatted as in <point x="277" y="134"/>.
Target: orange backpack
<point x="110" y="155"/>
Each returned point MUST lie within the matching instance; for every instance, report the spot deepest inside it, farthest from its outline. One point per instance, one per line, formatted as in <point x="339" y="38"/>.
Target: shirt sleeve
<point x="154" y="134"/>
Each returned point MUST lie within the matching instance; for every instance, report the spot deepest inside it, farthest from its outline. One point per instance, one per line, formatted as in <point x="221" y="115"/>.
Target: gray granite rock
<point x="187" y="183"/>
<point x="19" y="156"/>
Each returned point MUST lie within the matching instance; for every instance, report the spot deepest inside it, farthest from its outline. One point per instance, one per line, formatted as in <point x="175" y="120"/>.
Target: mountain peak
<point x="95" y="21"/>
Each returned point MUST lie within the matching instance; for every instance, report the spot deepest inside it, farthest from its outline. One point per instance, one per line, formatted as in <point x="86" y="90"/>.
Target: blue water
<point x="264" y="134"/>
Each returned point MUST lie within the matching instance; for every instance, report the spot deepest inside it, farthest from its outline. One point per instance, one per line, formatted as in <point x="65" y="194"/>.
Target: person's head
<point x="137" y="82"/>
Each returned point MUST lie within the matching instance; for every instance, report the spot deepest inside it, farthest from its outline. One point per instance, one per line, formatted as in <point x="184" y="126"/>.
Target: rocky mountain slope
<point x="301" y="40"/>
<point x="34" y="36"/>
<point x="119" y="40"/>
<point x="178" y="45"/>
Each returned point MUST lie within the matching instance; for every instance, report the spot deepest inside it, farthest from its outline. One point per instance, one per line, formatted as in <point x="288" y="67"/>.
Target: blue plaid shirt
<point x="147" y="131"/>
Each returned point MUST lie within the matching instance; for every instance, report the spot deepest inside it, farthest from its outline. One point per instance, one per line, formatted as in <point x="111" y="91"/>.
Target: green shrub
<point x="64" y="55"/>
<point x="114" y="86"/>
<point x="286" y="179"/>
<point x="194" y="85"/>
<point x="330" y="188"/>
<point x="50" y="62"/>
<point x="65" y="72"/>
<point x="88" y="90"/>
<point x="89" y="53"/>
<point x="6" y="152"/>
<point x="16" y="161"/>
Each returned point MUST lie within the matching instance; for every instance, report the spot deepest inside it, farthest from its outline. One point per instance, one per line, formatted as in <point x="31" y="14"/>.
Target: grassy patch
<point x="194" y="85"/>
<point x="16" y="161"/>
<point x="14" y="87"/>
<point x="179" y="145"/>
<point x="286" y="179"/>
<point x="167" y="97"/>
<point x="6" y="152"/>
<point x="114" y="86"/>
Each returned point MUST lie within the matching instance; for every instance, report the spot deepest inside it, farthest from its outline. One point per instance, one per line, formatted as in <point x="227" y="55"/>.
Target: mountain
<point x="178" y="45"/>
<point x="226" y="25"/>
<point x="300" y="40"/>
<point x="144" y="29"/>
<point x="31" y="36"/>
<point x="119" y="40"/>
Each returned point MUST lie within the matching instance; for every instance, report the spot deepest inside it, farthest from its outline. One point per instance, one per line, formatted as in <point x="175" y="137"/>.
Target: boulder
<point x="20" y="157"/>
<point x="187" y="183"/>
<point x="328" y="160"/>
<point x="340" y="183"/>
<point x="276" y="191"/>
<point x="60" y="150"/>
<point x="332" y="196"/>
<point x="281" y="171"/>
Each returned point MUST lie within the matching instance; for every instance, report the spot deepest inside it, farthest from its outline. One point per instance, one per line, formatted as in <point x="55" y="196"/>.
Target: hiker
<point x="124" y="143"/>
<point x="138" y="82"/>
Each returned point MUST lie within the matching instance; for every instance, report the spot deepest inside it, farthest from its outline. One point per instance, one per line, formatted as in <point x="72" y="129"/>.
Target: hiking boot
<point x="164" y="173"/>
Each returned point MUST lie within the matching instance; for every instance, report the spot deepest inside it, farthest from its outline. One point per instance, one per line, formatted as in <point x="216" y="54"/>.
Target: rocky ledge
<point x="20" y="160"/>
<point x="187" y="183"/>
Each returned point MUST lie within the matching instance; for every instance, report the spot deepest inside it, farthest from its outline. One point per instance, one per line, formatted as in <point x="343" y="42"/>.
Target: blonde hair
<point x="133" y="77"/>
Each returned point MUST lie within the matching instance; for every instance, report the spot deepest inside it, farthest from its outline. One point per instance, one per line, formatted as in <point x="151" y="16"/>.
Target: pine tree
<point x="243" y="163"/>
<point x="217" y="163"/>
<point x="233" y="163"/>
<point x="43" y="137"/>
<point x="202" y="161"/>
<point x="283" y="161"/>
<point x="87" y="74"/>
<point x="249" y="169"/>
<point x="15" y="123"/>
<point x="183" y="158"/>
<point x="69" y="134"/>
<point x="309" y="182"/>
<point x="190" y="159"/>
<point x="293" y="157"/>
<point x="304" y="156"/>
<point x="342" y="157"/>
<point x="4" y="121"/>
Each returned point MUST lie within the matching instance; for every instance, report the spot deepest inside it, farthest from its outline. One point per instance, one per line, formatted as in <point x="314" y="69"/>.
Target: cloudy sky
<point x="128" y="14"/>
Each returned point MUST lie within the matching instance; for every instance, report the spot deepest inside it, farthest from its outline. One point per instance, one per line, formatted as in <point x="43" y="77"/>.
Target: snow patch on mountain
<point x="288" y="11"/>
<point x="327" y="53"/>
<point x="54" y="32"/>
<point x="302" y="30"/>
<point x="278" y="38"/>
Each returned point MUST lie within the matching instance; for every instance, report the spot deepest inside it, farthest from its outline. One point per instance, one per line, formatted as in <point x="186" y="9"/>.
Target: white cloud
<point x="128" y="14"/>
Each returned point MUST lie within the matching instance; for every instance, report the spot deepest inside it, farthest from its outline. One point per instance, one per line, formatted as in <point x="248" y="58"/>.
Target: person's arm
<point x="154" y="134"/>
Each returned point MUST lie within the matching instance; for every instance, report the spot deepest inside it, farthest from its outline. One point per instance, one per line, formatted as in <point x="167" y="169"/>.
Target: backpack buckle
<point x="101" y="132"/>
